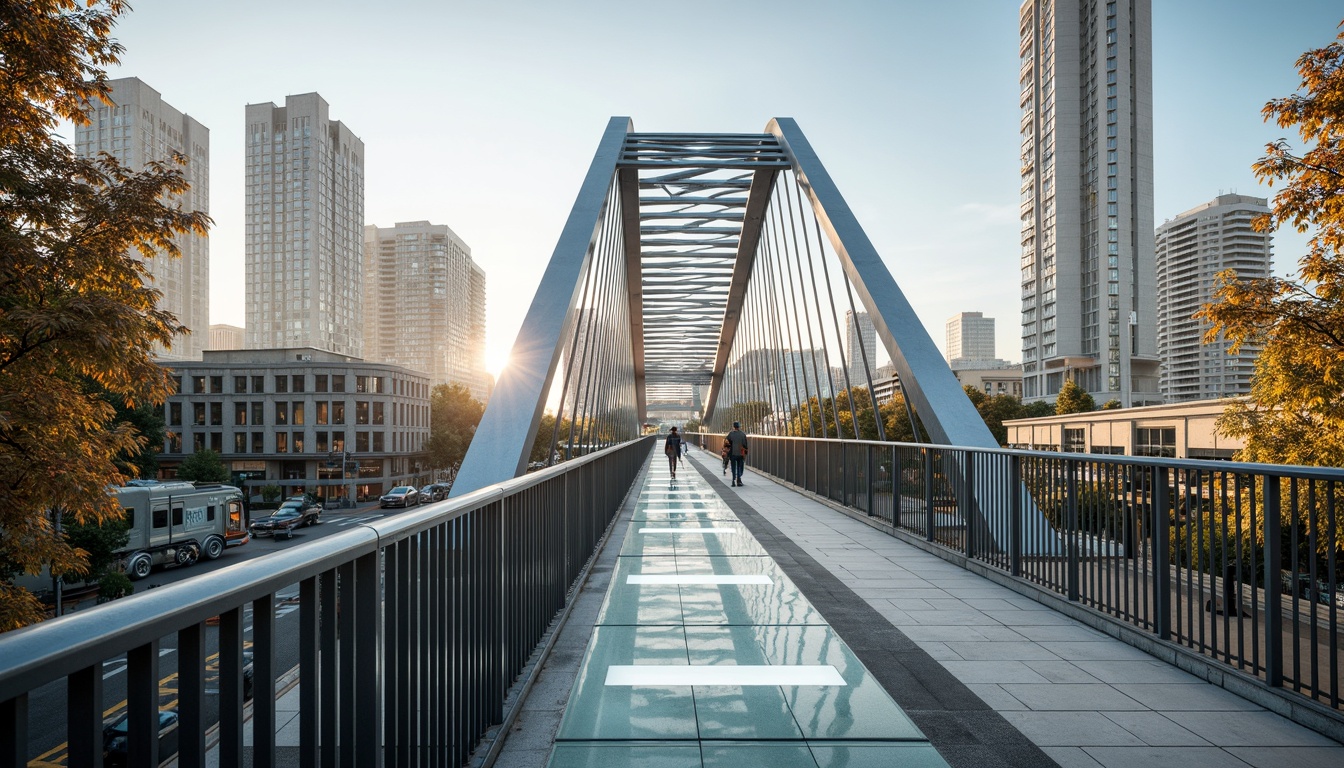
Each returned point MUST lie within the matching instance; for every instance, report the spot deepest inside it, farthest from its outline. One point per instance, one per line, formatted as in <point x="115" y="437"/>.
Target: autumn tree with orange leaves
<point x="1296" y="413"/>
<point x="78" y="319"/>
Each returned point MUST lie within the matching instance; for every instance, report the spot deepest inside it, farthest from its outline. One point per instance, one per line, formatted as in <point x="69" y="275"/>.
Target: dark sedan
<point x="283" y="521"/>
<point x="401" y="496"/>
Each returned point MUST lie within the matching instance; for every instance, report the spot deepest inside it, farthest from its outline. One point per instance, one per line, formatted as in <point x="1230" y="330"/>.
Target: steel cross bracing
<point x="687" y="201"/>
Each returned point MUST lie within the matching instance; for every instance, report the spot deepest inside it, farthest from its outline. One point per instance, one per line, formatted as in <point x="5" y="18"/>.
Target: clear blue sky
<point x="484" y="115"/>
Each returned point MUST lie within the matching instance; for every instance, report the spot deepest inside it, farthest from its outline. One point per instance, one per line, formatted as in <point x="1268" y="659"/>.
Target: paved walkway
<point x="990" y="677"/>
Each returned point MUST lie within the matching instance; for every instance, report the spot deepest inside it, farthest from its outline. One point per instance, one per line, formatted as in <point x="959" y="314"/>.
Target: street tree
<point x="453" y="417"/>
<point x="1296" y="409"/>
<point x="1073" y="399"/>
<point x="75" y="300"/>
<point x="203" y="466"/>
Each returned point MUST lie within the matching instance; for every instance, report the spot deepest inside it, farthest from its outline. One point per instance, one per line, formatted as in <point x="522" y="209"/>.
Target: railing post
<point x="14" y="731"/>
<point x="966" y="501"/>
<point x="928" y="494"/>
<point x="1071" y="505"/>
<point x="1273" y="594"/>
<point x="868" y="477"/>
<point x="1015" y="514"/>
<point x="1161" y="555"/>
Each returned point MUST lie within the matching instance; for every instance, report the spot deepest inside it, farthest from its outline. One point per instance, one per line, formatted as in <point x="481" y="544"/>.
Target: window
<point x="361" y="384"/>
<point x="361" y="442"/>
<point x="174" y="414"/>
<point x="378" y="442"/>
<point x="258" y="442"/>
<point x="282" y="413"/>
<point x="239" y="413"/>
<point x="198" y="442"/>
<point x="338" y="412"/>
<point x="1074" y="441"/>
<point x="282" y="442"/>
<point x="216" y="414"/>
<point x="216" y="385"/>
<point x="337" y="382"/>
<point x="296" y="383"/>
<point x="160" y="518"/>
<point x="258" y="384"/>
<point x="258" y="414"/>
<point x="361" y="412"/>
<point x="322" y="410"/>
<point x="217" y="442"/>
<point x="377" y="413"/>
<point x="198" y="384"/>
<point x="239" y="384"/>
<point x="281" y="383"/>
<point x="322" y="445"/>
<point x="198" y="414"/>
<point x="177" y="385"/>
<point x="1155" y="441"/>
<point x="320" y="382"/>
<point x="240" y="442"/>
<point x="297" y="442"/>
<point x="338" y="441"/>
<point x="298" y="413"/>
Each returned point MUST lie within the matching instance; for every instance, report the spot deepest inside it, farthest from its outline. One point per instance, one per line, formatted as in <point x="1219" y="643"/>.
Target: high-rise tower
<point x="1088" y="281"/>
<point x="424" y="303"/>
<point x="860" y="347"/>
<point x="139" y="128"/>
<point x="1191" y="250"/>
<point x="970" y="336"/>
<point x="305" y="228"/>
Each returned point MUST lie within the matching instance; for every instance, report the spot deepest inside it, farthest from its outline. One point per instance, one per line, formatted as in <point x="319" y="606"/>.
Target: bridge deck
<point x="933" y="657"/>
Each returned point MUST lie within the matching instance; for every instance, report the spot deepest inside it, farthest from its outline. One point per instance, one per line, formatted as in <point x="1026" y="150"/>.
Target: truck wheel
<point x="186" y="555"/>
<point x="139" y="566"/>
<point x="214" y="547"/>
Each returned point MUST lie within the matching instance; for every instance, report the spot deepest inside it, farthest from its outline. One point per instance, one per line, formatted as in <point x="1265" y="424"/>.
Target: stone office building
<point x="303" y="419"/>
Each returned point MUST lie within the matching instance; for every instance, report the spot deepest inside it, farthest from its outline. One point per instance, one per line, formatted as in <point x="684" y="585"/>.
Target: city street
<point x="47" y="741"/>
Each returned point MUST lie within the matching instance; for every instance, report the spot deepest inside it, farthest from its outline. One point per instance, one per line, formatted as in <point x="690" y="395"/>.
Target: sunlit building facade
<point x="138" y="128"/>
<point x="424" y="303"/>
<point x="305" y="222"/>
<point x="1088" y="279"/>
<point x="1192" y="249"/>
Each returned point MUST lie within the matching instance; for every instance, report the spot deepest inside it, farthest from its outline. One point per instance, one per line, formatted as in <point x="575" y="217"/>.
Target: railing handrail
<point x="34" y="655"/>
<point x="1281" y="470"/>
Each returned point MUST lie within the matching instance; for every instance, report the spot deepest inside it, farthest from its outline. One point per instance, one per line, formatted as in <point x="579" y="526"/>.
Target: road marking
<point x="357" y="520"/>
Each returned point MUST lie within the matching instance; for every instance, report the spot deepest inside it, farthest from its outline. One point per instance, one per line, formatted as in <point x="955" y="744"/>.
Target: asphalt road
<point x="47" y="705"/>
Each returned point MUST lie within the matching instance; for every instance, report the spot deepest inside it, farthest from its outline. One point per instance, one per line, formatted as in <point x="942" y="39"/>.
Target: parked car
<point x="116" y="750"/>
<point x="296" y="512"/>
<point x="433" y="492"/>
<point x="401" y="496"/>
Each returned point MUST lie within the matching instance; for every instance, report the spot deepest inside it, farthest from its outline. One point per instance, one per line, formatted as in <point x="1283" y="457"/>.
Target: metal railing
<point x="411" y="631"/>
<point x="1174" y="547"/>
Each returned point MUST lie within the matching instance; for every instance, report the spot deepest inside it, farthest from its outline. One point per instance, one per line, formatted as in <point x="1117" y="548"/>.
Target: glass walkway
<point x="706" y="653"/>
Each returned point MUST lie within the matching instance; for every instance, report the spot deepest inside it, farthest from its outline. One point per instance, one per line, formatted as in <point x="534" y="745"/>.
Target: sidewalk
<point x="1086" y="699"/>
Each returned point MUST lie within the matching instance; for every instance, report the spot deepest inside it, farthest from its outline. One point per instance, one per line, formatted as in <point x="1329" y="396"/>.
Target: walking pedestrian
<point x="723" y="451"/>
<point x="737" y="451"/>
<point x="673" y="450"/>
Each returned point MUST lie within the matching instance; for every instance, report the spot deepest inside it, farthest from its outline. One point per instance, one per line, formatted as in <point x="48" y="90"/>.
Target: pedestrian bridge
<point x="859" y="601"/>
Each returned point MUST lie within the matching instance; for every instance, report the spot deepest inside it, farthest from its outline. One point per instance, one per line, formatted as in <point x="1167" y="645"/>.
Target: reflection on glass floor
<point x="705" y="653"/>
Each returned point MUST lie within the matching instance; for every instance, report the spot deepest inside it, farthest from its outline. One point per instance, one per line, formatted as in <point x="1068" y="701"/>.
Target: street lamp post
<point x="349" y="500"/>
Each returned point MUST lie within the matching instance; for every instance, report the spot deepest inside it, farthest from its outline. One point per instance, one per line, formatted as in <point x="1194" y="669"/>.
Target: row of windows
<point x="284" y="383"/>
<point x="322" y="442"/>
<point x="286" y="413"/>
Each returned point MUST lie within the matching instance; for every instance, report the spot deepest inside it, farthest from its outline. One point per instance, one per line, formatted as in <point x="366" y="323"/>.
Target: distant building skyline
<point x="305" y="223"/>
<point x="1192" y="249"/>
<point x="970" y="336"/>
<point x="1087" y="266"/>
<point x="225" y="336"/>
<point x="138" y="128"/>
<point x="424" y="303"/>
<point x="860" y="348"/>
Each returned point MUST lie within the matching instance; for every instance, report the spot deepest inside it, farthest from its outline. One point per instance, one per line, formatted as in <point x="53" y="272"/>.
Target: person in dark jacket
<point x="737" y="451"/>
<point x="673" y="450"/>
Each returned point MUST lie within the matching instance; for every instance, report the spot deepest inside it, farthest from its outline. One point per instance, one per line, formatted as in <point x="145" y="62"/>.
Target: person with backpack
<point x="672" y="447"/>
<point x="737" y="451"/>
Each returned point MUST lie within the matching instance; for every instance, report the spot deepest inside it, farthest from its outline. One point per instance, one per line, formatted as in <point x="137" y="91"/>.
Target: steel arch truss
<point x="692" y="215"/>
